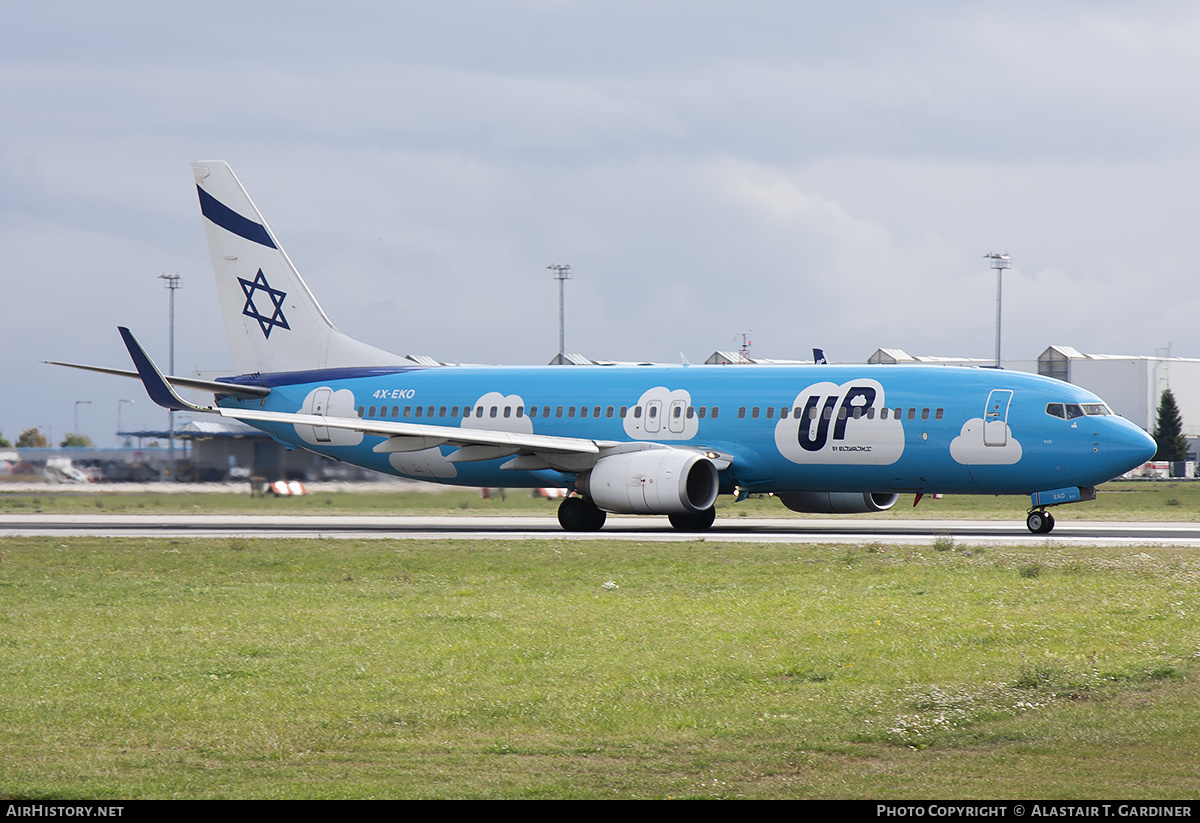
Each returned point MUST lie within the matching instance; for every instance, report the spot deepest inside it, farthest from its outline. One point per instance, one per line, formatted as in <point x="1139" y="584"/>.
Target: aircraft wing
<point x="475" y="444"/>
<point x="184" y="382"/>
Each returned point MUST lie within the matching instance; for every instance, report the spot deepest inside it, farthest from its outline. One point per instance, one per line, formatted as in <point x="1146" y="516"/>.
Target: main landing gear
<point x="580" y="514"/>
<point x="1040" y="522"/>
<point x="694" y="521"/>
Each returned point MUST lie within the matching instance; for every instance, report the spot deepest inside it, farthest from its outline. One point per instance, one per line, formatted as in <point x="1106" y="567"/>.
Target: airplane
<point x="640" y="439"/>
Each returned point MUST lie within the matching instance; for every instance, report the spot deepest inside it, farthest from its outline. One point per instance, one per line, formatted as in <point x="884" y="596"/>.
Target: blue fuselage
<point x="781" y="428"/>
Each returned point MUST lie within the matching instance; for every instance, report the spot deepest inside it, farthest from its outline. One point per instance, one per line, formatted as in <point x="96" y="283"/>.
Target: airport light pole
<point x="1000" y="262"/>
<point x="171" y="282"/>
<point x="79" y="403"/>
<point x="562" y="273"/>
<point x="119" y="402"/>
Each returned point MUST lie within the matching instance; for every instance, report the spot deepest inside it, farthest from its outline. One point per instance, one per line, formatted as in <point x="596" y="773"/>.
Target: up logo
<point x="840" y="425"/>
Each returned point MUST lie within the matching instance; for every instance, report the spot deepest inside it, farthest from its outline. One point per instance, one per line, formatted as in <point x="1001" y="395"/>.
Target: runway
<point x="741" y="530"/>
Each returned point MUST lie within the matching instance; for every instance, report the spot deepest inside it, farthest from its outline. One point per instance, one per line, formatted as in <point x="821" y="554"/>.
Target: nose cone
<point x="1130" y="447"/>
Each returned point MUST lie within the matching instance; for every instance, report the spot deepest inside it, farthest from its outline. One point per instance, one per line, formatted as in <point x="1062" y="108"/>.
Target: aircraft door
<point x="675" y="416"/>
<point x="653" y="416"/>
<point x="995" y="417"/>
<point x="320" y="407"/>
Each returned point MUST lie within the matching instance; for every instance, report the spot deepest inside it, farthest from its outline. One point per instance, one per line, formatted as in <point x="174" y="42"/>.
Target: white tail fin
<point x="273" y="321"/>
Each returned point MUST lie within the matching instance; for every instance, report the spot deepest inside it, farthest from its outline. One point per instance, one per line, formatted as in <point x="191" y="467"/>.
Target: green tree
<point x="1168" y="430"/>
<point x="73" y="440"/>
<point x="32" y="439"/>
<point x="4" y="444"/>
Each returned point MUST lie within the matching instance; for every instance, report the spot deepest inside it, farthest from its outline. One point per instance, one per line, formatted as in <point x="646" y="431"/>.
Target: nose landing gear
<point x="1040" y="522"/>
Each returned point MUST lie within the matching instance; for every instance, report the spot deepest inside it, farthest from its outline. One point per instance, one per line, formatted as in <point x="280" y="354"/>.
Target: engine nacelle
<point x="651" y="481"/>
<point x="838" y="502"/>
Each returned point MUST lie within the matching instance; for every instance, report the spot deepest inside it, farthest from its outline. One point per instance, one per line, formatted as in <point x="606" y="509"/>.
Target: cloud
<point x="969" y="448"/>
<point x="663" y="416"/>
<point x="499" y="414"/>
<point x="329" y="403"/>
<point x="829" y="432"/>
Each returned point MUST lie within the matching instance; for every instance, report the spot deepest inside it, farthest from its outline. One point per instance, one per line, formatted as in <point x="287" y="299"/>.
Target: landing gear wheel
<point x="1040" y="522"/>
<point x="579" y="514"/>
<point x="694" y="521"/>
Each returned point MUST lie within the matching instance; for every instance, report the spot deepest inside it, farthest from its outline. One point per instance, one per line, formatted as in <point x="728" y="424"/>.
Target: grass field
<point x="312" y="668"/>
<point x="1164" y="500"/>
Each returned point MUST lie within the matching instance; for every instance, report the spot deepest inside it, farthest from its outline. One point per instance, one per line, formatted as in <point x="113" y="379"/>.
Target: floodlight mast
<point x="1000" y="262"/>
<point x="562" y="273"/>
<point x="171" y="282"/>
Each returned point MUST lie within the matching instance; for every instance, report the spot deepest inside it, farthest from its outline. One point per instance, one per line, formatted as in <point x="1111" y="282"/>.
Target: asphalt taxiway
<point x="744" y="530"/>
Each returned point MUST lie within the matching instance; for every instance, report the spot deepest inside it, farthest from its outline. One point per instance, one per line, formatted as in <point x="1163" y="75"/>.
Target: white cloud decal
<point x="498" y="421"/>
<point x="840" y="425"/>
<point x="426" y="464"/>
<point x="663" y="415"/>
<point x="328" y="403"/>
<point x="969" y="448"/>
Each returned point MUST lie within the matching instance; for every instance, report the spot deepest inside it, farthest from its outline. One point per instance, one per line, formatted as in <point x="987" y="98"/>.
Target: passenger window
<point x="493" y="411"/>
<point x="442" y="411"/>
<point x="546" y="411"/>
<point x="870" y="412"/>
<point x="770" y="412"/>
<point x="520" y="411"/>
<point x="507" y="411"/>
<point x="700" y="412"/>
<point x="653" y="412"/>
<point x="609" y="412"/>
<point x="583" y="411"/>
<point x="622" y="412"/>
<point x="637" y="412"/>
<point x="741" y="412"/>
<point x="418" y="411"/>
<point x="676" y="412"/>
<point x="883" y="414"/>
<point x="361" y="409"/>
<point x="827" y="413"/>
<point x="924" y="414"/>
<point x="558" y="411"/>
<point x="691" y="412"/>
<point x="715" y="411"/>
<point x="479" y="411"/>
<point x="570" y="411"/>
<point x="454" y="411"/>
<point x="842" y="413"/>
<point x="912" y="414"/>
<point x="596" y="411"/>
<point x="938" y="414"/>
<point x="371" y="412"/>
<point x="783" y="413"/>
<point x="429" y="412"/>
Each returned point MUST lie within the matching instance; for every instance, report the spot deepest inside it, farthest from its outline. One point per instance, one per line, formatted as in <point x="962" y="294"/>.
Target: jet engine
<point x="837" y="502"/>
<point x="651" y="481"/>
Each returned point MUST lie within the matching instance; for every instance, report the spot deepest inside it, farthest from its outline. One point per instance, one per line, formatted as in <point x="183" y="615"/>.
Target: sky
<point x="807" y="174"/>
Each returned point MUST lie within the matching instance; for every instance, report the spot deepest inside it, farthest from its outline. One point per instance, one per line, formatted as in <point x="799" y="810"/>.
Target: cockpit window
<point x="1070" y="411"/>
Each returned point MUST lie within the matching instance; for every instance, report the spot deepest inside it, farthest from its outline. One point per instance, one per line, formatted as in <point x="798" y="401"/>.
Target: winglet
<point x="157" y="387"/>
